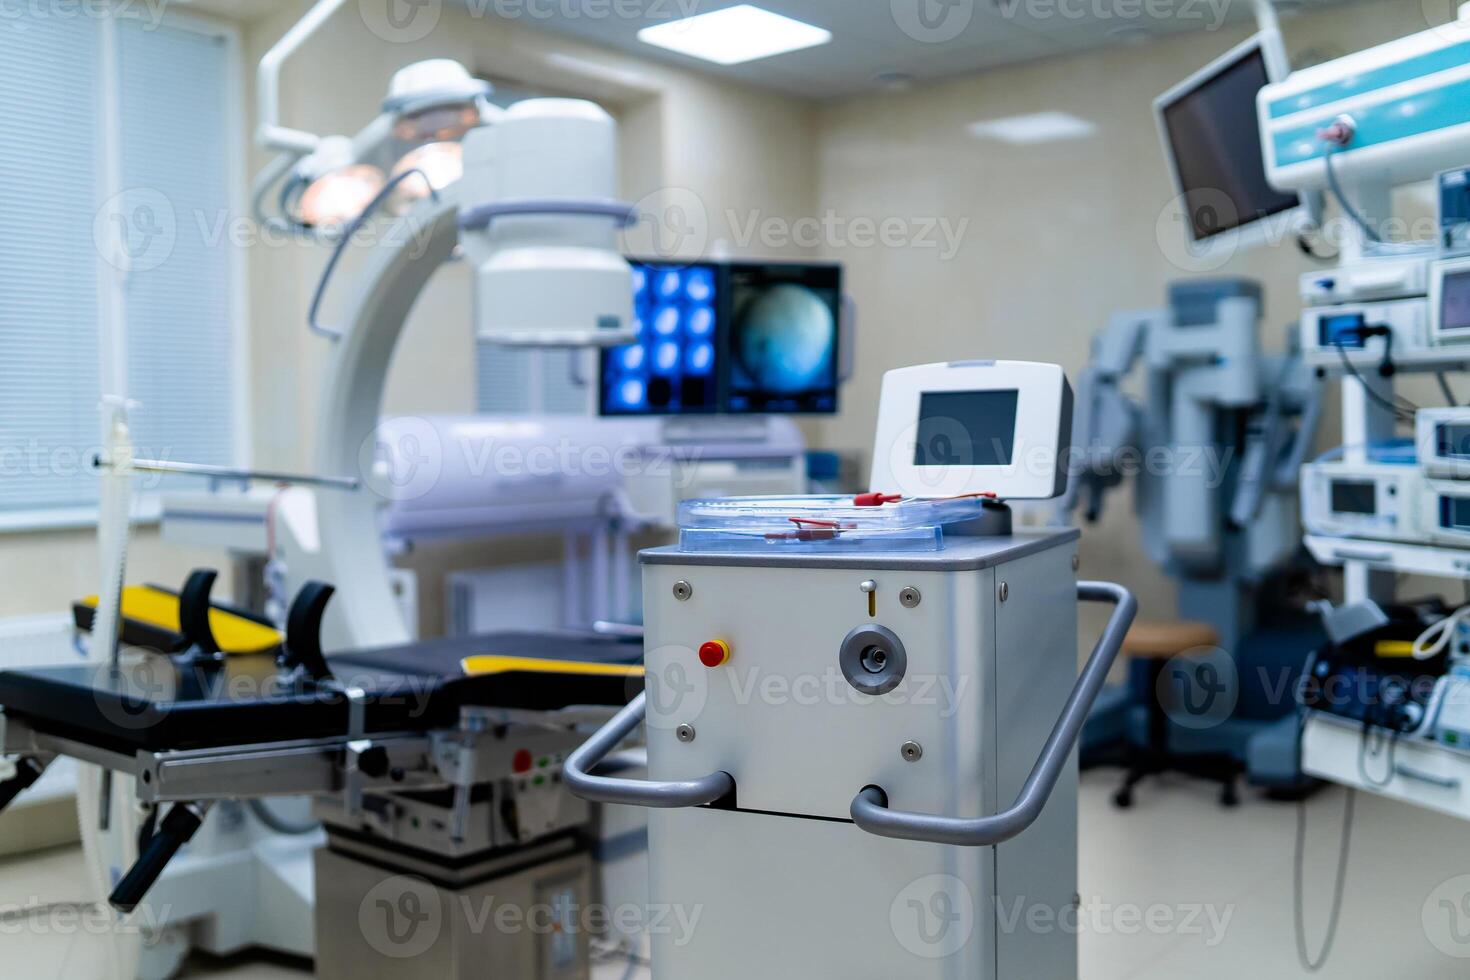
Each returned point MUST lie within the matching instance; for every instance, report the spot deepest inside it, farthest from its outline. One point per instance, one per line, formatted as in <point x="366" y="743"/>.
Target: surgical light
<point x="339" y="195"/>
<point x="434" y="101"/>
<point x="430" y="106"/>
<point x="441" y="164"/>
<point x="735" y="35"/>
<point x="438" y="124"/>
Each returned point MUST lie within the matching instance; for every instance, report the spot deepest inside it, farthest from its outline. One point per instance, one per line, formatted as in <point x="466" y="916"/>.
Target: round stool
<point x="1157" y="643"/>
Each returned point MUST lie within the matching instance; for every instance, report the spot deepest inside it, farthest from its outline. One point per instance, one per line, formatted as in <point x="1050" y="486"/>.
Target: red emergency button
<point x="715" y="653"/>
<point x="522" y="761"/>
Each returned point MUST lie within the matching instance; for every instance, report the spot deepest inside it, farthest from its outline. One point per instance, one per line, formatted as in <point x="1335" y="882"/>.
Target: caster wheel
<point x="1230" y="798"/>
<point x="1122" y="799"/>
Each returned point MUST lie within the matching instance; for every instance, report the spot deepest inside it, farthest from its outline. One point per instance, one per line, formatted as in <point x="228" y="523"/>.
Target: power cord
<point x="1445" y="389"/>
<point x="1310" y="963"/>
<point x="1304" y="244"/>
<point x="1437" y="638"/>
<point x="1401" y="412"/>
<point x="1342" y="200"/>
<point x="1367" y="749"/>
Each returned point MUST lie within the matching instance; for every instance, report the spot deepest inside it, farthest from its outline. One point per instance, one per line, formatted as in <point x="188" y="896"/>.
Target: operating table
<point x="441" y="760"/>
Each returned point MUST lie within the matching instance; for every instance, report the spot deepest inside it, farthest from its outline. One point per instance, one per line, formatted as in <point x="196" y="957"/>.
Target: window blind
<point x="170" y="106"/>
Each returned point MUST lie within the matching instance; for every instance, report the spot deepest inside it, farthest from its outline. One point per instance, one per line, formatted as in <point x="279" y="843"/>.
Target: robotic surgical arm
<point x="1217" y="437"/>
<point x="1107" y="425"/>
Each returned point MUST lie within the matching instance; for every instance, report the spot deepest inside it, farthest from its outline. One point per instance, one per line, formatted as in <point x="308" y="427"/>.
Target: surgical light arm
<point x="291" y="145"/>
<point x="269" y="132"/>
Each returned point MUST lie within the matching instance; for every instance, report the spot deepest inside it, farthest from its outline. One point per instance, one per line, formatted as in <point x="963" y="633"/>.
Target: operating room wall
<point x="1060" y="234"/>
<point x="692" y="151"/>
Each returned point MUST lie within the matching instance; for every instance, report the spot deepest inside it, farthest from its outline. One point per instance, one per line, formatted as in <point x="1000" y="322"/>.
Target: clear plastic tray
<point x="824" y="524"/>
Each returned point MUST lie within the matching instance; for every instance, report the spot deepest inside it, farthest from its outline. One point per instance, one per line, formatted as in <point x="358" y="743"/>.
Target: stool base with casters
<point x="1163" y="646"/>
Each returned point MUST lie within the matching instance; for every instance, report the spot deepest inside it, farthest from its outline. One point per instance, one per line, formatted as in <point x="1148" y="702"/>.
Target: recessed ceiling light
<point x="1038" y="127"/>
<point x="735" y="35"/>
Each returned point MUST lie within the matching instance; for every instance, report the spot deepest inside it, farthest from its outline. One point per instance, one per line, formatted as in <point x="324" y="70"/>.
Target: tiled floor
<point x="1176" y="887"/>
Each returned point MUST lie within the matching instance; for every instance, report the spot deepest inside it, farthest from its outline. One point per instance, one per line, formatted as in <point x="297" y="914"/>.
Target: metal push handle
<point x="870" y="809"/>
<point x="577" y="771"/>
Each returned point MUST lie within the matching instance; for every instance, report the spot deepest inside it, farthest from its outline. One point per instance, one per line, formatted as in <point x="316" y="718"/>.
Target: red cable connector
<point x="1340" y="132"/>
<point x="876" y="499"/>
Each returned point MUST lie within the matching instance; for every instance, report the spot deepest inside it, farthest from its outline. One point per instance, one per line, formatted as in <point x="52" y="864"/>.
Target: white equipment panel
<point x="1419" y="771"/>
<point x="1377" y="501"/>
<point x="1409" y="101"/>
<point x="1449" y="301"/>
<point x="972" y="427"/>
<point x="1442" y="441"/>
<point x="985" y="680"/>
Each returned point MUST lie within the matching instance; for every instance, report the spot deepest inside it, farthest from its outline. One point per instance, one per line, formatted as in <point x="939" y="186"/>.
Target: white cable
<point x="1432" y="642"/>
<point x="107" y="855"/>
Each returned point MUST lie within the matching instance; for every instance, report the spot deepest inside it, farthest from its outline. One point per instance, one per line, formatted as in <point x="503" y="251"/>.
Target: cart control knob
<point x="715" y="653"/>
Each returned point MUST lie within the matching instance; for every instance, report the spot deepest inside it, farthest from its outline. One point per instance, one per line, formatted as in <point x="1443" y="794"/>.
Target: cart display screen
<point x="966" y="428"/>
<point x="1454" y="513"/>
<point x="1453" y="442"/>
<point x="1454" y="303"/>
<point x="1354" y="497"/>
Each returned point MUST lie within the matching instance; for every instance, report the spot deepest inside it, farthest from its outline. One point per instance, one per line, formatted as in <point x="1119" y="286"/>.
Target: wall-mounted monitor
<point x="1212" y="142"/>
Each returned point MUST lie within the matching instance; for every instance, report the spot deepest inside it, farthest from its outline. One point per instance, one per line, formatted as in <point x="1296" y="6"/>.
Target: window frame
<point x="147" y="506"/>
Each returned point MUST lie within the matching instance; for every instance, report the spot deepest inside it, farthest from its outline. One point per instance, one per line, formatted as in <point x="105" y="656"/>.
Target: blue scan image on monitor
<point x="727" y="338"/>
<point x="783" y="338"/>
<point x="671" y="368"/>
